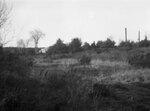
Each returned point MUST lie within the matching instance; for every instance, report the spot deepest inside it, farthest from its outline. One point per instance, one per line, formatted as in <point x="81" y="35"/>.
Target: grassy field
<point x="111" y="85"/>
<point x="105" y="84"/>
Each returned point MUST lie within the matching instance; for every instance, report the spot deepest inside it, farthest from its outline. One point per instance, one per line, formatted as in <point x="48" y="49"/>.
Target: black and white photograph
<point x="74" y="55"/>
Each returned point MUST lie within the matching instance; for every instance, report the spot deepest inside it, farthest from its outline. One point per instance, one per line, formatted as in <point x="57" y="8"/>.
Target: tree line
<point x="76" y="45"/>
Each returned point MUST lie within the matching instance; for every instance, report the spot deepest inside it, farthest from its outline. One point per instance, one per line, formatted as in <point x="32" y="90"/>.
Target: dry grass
<point x="69" y="61"/>
<point x="128" y="76"/>
<point x="58" y="62"/>
<point x="97" y="63"/>
<point x="112" y="55"/>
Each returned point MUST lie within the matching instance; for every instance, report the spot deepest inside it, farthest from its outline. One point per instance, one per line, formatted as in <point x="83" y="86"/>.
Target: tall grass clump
<point x="67" y="91"/>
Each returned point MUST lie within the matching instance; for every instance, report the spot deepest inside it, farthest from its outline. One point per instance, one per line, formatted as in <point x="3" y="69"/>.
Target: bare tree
<point x="6" y="35"/>
<point x="4" y="22"/>
<point x="21" y="43"/>
<point x="36" y="35"/>
<point x="27" y="42"/>
<point x="4" y="13"/>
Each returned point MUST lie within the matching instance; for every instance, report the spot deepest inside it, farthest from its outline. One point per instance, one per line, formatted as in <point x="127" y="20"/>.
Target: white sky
<point x="90" y="20"/>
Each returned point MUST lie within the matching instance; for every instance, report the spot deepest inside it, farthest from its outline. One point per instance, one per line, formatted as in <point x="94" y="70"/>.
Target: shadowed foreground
<point x="71" y="92"/>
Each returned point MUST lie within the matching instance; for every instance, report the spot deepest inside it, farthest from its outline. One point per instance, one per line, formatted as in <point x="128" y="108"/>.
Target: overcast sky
<point x="90" y="20"/>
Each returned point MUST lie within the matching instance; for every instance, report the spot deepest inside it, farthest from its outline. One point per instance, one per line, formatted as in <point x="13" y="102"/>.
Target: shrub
<point x="75" y="45"/>
<point x="108" y="43"/>
<point x="144" y="43"/>
<point x="58" y="48"/>
<point x="128" y="44"/>
<point x="85" y="60"/>
<point x="15" y="64"/>
<point x="86" y="46"/>
<point x="139" y="58"/>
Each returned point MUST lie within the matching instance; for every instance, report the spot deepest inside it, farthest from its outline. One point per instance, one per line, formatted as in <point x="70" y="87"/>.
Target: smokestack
<point x="139" y="36"/>
<point x="125" y="34"/>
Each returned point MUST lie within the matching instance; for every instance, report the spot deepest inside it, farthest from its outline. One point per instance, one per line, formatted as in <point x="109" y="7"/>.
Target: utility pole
<point x="125" y="34"/>
<point x="139" y="36"/>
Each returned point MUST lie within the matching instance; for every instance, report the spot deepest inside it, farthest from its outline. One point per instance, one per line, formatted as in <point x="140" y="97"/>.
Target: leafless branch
<point x="4" y="23"/>
<point x="36" y="35"/>
<point x="21" y="43"/>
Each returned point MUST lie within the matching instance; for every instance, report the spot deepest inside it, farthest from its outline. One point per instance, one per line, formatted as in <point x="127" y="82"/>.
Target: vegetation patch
<point x="85" y="60"/>
<point x="139" y="58"/>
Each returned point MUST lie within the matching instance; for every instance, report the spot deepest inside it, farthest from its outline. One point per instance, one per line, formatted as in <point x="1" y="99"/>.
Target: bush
<point x="108" y="43"/>
<point x="85" y="60"/>
<point x="144" y="43"/>
<point x="139" y="58"/>
<point x="75" y="45"/>
<point x="86" y="46"/>
<point x="128" y="44"/>
<point x="15" y="64"/>
<point x="58" y="48"/>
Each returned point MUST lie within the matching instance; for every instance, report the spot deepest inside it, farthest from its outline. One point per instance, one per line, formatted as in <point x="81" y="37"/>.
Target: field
<point x="111" y="84"/>
<point x="107" y="83"/>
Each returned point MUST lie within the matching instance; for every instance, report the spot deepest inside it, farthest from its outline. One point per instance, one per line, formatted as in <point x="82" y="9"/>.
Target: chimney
<point x="125" y="34"/>
<point x="139" y="36"/>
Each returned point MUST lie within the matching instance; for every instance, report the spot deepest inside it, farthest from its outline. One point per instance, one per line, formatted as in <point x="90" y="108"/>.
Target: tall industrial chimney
<point x="125" y="34"/>
<point x="139" y="36"/>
